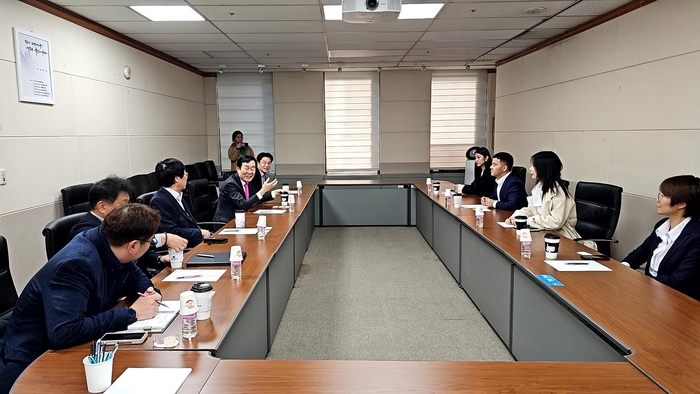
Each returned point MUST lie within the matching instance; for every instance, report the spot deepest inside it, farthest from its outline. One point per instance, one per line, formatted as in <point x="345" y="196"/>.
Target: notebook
<point x="220" y="258"/>
<point x="160" y="322"/>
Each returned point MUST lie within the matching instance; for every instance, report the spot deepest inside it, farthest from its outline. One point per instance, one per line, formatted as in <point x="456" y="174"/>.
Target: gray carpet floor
<point x="380" y="293"/>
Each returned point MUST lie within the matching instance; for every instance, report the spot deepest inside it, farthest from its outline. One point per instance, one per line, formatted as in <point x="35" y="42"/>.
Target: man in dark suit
<point x="176" y="217"/>
<point x="509" y="194"/>
<point x="109" y="194"/>
<point x="238" y="193"/>
<point x="263" y="172"/>
<point x="71" y="299"/>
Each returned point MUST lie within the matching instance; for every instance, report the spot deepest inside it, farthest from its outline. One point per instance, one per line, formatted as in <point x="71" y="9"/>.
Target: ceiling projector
<point x="371" y="11"/>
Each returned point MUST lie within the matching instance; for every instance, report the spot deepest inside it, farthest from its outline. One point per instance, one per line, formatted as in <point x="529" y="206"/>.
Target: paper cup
<point x="175" y="258"/>
<point x="458" y="200"/>
<point x="285" y="187"/>
<point x="551" y="246"/>
<point x="240" y="219"/>
<point x="203" y="293"/>
<point x="520" y="222"/>
<point x="98" y="376"/>
<point x="188" y="303"/>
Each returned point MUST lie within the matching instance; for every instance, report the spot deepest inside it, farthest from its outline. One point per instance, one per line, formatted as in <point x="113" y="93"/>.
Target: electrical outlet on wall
<point x="3" y="180"/>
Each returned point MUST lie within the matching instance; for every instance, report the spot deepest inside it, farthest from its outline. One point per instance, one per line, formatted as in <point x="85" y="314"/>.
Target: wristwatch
<point x="132" y="315"/>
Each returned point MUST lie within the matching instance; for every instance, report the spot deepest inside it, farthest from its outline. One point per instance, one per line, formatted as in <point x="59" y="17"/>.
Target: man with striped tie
<point x="238" y="193"/>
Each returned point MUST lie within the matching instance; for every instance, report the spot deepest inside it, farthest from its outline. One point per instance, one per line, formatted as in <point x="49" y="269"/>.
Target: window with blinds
<point x="352" y="122"/>
<point x="246" y="104"/>
<point x="457" y="116"/>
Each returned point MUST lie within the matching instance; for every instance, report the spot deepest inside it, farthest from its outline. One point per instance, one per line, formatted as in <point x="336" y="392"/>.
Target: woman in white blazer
<point x="551" y="207"/>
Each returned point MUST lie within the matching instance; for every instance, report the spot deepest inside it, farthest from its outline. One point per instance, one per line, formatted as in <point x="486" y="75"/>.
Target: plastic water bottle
<point x="291" y="203"/>
<point x="526" y="249"/>
<point x="448" y="197"/>
<point x="479" y="218"/>
<point x="236" y="270"/>
<point x="236" y="259"/>
<point x="189" y="326"/>
<point x="299" y="187"/>
<point x="262" y="222"/>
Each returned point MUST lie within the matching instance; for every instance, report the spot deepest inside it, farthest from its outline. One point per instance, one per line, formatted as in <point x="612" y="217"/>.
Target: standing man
<point x="238" y="193"/>
<point x="263" y="172"/>
<point x="176" y="217"/>
<point x="71" y="299"/>
<point x="509" y="194"/>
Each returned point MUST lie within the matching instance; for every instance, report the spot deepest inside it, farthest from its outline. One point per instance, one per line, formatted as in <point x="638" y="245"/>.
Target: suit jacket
<point x="175" y="220"/>
<point x="483" y="184"/>
<point x="513" y="194"/>
<point x="87" y="222"/>
<point x="70" y="301"/>
<point x="258" y="179"/>
<point x="680" y="268"/>
<point x="232" y="198"/>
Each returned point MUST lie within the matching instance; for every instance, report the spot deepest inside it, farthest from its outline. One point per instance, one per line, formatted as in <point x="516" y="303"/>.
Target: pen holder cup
<point x="98" y="376"/>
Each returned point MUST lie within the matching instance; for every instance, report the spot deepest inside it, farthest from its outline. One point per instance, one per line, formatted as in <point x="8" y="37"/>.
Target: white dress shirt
<point x="178" y="197"/>
<point x="499" y="185"/>
<point x="668" y="237"/>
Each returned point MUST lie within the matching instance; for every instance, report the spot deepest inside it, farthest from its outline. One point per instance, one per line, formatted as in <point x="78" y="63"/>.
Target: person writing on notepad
<point x="238" y="193"/>
<point x="70" y="300"/>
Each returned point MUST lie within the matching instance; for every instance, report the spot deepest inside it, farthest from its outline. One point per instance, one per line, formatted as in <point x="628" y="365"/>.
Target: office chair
<point x="202" y="170"/>
<point x="192" y="172"/>
<point x="145" y="198"/>
<point x="56" y="233"/>
<point x="203" y="208"/>
<point x="154" y="180"/>
<point x="8" y="293"/>
<point x="598" y="210"/>
<point x="142" y="184"/>
<point x="520" y="172"/>
<point x="212" y="173"/>
<point x="75" y="198"/>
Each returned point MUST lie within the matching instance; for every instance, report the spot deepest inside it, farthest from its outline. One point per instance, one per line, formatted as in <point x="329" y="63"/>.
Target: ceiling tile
<point x="381" y="36"/>
<point x="501" y="9"/>
<point x="470" y="35"/>
<point x="283" y="54"/>
<point x="283" y="46"/>
<point x="484" y="24"/>
<point x="271" y="27"/>
<point x="216" y="54"/>
<point x="251" y="2"/>
<point x="278" y="37"/>
<point x="66" y="3"/>
<point x="371" y="45"/>
<point x="161" y="27"/>
<point x="109" y="13"/>
<point x="180" y="38"/>
<point x="291" y="60"/>
<point x="445" y="53"/>
<point x="218" y="61"/>
<point x="370" y="59"/>
<point x="565" y="22"/>
<point x="189" y="55"/>
<point x="166" y="47"/>
<point x="594" y="7"/>
<point x="396" y="26"/>
<point x="522" y="42"/>
<point x="460" y="44"/>
<point x="543" y="33"/>
<point x="260" y="13"/>
<point x="366" y="53"/>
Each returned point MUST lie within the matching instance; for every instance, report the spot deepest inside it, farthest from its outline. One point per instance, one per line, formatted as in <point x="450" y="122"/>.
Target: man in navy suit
<point x="238" y="192"/>
<point x="176" y="217"/>
<point x="262" y="174"/>
<point x="71" y="299"/>
<point x="509" y="194"/>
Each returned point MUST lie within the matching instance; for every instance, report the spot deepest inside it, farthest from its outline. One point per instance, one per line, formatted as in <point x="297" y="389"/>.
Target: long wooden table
<point x="621" y="322"/>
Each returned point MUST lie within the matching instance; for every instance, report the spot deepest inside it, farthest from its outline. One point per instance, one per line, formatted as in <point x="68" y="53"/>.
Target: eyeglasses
<point x="659" y="196"/>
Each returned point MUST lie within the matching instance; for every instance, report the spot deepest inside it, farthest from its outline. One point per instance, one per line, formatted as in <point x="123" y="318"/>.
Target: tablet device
<point x="129" y="338"/>
<point x="210" y="259"/>
<point x="594" y="257"/>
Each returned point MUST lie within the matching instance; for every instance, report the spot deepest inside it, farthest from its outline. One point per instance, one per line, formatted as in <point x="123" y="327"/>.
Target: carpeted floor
<point x="380" y="293"/>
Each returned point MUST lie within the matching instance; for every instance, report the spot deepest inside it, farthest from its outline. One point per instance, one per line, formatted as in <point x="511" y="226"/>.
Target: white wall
<point x="101" y="124"/>
<point x="618" y="103"/>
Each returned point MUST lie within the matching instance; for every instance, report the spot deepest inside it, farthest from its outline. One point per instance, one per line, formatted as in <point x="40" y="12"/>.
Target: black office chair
<point x="145" y="198"/>
<point x="202" y="170"/>
<point x="520" y="172"/>
<point x="8" y="293"/>
<point x="212" y="173"/>
<point x="154" y="180"/>
<point x="192" y="172"/>
<point x="142" y="184"/>
<point x="203" y="208"/>
<point x="56" y="233"/>
<point x="75" y="198"/>
<point x="598" y="210"/>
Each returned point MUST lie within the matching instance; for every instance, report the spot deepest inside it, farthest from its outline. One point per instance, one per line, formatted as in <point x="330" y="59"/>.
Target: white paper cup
<point x="188" y="303"/>
<point x="298" y="184"/>
<point x="98" y="376"/>
<point x="175" y="258"/>
<point x="458" y="200"/>
<point x="428" y="181"/>
<point x="240" y="219"/>
<point x="204" y="304"/>
<point x="262" y="221"/>
<point x="285" y="187"/>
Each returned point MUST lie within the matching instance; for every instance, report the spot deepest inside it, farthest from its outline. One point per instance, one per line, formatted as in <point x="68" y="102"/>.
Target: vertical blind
<point x="246" y="104"/>
<point x="457" y="116"/>
<point x="352" y="122"/>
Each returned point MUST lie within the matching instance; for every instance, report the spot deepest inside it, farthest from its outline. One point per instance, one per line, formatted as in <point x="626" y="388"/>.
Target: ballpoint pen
<point x="209" y="256"/>
<point x="189" y="277"/>
<point x="159" y="303"/>
<point x="576" y="263"/>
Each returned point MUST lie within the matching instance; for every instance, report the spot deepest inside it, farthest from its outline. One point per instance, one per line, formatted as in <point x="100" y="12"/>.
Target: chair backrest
<point x="145" y="198"/>
<point x="154" y="180"/>
<point x="212" y="173"/>
<point x="202" y="171"/>
<point x="192" y="171"/>
<point x="200" y="200"/>
<point x="520" y="172"/>
<point x="142" y="184"/>
<point x="8" y="293"/>
<point x="75" y="198"/>
<point x="598" y="210"/>
<point x="57" y="231"/>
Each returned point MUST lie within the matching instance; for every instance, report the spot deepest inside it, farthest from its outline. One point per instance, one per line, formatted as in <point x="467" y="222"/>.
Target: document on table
<point x="194" y="276"/>
<point x="506" y="225"/>
<point x="281" y="207"/>
<point x="576" y="265"/>
<point x="294" y="192"/>
<point x="473" y="206"/>
<point x="160" y="322"/>
<point x="242" y="231"/>
<point x="270" y="211"/>
<point x="149" y="380"/>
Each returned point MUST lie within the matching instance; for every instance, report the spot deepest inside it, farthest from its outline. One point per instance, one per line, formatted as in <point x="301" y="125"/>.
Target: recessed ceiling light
<point x="408" y="11"/>
<point x="532" y="10"/>
<point x="168" y="13"/>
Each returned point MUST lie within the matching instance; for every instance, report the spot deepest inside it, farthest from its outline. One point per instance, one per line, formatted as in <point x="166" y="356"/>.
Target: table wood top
<point x="325" y="376"/>
<point x="62" y="371"/>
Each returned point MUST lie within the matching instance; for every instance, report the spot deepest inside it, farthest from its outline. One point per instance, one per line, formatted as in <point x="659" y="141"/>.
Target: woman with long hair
<point x="551" y="206"/>
<point x="484" y="182"/>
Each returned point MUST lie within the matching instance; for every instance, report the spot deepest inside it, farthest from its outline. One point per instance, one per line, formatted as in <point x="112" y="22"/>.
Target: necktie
<point x="245" y="190"/>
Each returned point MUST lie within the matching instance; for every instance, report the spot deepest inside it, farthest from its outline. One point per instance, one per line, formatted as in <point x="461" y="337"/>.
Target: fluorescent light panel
<point x="408" y="11"/>
<point x="168" y="13"/>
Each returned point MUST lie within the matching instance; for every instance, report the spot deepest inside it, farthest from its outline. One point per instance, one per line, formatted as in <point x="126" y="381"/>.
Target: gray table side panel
<point x="544" y="330"/>
<point x="247" y="338"/>
<point x="486" y="276"/>
<point x="301" y="240"/>
<point x="365" y="206"/>
<point x="413" y="206"/>
<point x="424" y="217"/>
<point x="280" y="275"/>
<point x="446" y="240"/>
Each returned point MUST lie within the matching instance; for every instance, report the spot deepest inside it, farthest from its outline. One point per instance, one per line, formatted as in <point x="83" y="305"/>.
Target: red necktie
<point x="245" y="190"/>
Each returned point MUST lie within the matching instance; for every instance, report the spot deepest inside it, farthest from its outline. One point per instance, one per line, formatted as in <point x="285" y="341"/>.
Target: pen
<point x="188" y="277"/>
<point x="209" y="256"/>
<point x="575" y="263"/>
<point x="159" y="303"/>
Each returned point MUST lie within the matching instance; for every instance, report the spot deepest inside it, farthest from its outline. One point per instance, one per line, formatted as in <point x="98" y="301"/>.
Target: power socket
<point x="3" y="180"/>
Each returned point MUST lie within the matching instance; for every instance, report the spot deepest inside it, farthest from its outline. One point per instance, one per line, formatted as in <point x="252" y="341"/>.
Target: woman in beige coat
<point x="551" y="207"/>
<point x="238" y="148"/>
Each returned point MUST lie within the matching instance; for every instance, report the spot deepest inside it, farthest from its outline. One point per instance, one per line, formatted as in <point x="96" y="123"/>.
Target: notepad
<point x="160" y="321"/>
<point x="242" y="231"/>
<point x="149" y="380"/>
<point x="576" y="265"/>
<point x="270" y="211"/>
<point x="189" y="275"/>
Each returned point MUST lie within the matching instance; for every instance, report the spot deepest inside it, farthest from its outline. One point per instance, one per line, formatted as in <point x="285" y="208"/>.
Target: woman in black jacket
<point x="484" y="183"/>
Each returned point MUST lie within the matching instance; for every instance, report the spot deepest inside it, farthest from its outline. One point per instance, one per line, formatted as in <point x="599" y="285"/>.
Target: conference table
<point x="613" y="331"/>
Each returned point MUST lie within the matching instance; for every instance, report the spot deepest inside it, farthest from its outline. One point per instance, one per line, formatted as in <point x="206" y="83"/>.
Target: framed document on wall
<point x="34" y="68"/>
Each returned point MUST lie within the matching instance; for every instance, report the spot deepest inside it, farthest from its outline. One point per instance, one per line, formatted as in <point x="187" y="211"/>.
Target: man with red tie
<point x="237" y="193"/>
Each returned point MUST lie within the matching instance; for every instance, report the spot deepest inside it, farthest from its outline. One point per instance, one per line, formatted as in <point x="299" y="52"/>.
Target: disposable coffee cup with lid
<point x="551" y="246"/>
